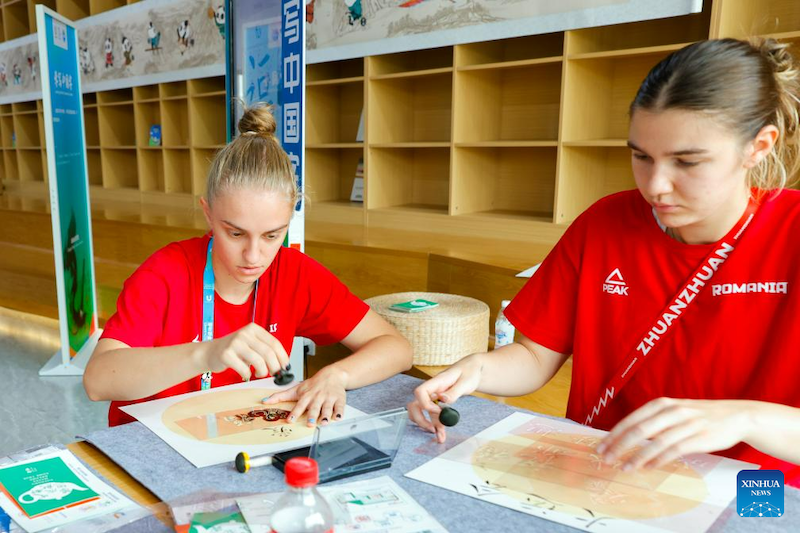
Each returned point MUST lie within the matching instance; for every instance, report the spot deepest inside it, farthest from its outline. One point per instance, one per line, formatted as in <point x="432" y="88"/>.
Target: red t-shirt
<point x="739" y="340"/>
<point x="161" y="305"/>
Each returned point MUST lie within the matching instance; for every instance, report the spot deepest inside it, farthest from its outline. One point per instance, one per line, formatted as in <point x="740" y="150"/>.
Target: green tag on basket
<point x="414" y="306"/>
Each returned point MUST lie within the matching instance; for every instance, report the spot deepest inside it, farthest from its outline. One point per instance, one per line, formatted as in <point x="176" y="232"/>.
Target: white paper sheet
<point x="369" y="506"/>
<point x="550" y="469"/>
<point x="108" y="500"/>
<point x="155" y="415"/>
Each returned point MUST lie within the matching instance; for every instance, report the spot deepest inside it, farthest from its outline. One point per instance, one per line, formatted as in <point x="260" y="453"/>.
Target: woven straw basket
<point x="459" y="326"/>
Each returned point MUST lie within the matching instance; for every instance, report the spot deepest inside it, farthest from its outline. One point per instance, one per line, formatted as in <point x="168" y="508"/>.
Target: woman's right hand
<point x="249" y="346"/>
<point x="462" y="378"/>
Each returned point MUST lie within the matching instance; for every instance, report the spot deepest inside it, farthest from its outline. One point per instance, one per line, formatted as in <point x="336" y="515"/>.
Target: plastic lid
<point x="301" y="472"/>
<point x="504" y="303"/>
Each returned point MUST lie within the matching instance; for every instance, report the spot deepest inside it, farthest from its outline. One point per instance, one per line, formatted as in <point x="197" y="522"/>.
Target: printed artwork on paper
<point x="212" y="426"/>
<point x="550" y="469"/>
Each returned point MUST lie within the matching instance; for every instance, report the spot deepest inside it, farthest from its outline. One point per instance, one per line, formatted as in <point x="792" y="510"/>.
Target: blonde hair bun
<point x="258" y="120"/>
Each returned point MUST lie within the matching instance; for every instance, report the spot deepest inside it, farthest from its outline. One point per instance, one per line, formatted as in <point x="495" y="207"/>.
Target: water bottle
<point x="503" y="329"/>
<point x="302" y="509"/>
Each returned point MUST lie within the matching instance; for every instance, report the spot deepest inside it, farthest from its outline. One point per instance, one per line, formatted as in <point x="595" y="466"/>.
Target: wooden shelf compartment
<point x="117" y="96"/>
<point x="673" y="30"/>
<point x="174" y="123"/>
<point x="175" y="89"/>
<point x="89" y="99"/>
<point x="99" y="6"/>
<point x="115" y="126"/>
<point x="587" y="174"/>
<point x="151" y="170"/>
<point x="177" y="171"/>
<point x="335" y="70"/>
<point x="212" y="86"/>
<point x="411" y="178"/>
<point x="94" y="166"/>
<point x="410" y="110"/>
<point x="598" y="93"/>
<point x="7" y="130"/>
<point x="42" y="133"/>
<point x="333" y="113"/>
<point x="16" y="24"/>
<point x="743" y="18"/>
<point x="3" y="176"/>
<point x="92" y="126"/>
<point x="73" y="9"/>
<point x="146" y="93"/>
<point x="24" y="107"/>
<point x="519" y="104"/>
<point x="32" y="12"/>
<point x="519" y="49"/>
<point x="119" y="169"/>
<point x="30" y="167"/>
<point x="330" y="174"/>
<point x="146" y="114"/>
<point x="416" y="61"/>
<point x="10" y="165"/>
<point x="207" y="120"/>
<point x="5" y="109"/>
<point x="26" y="127"/>
<point x="45" y="167"/>
<point x="201" y="161"/>
<point x="2" y="27"/>
<point x="518" y="182"/>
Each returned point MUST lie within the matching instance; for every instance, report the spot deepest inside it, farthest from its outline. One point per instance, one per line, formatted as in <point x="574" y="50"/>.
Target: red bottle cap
<point x="301" y="472"/>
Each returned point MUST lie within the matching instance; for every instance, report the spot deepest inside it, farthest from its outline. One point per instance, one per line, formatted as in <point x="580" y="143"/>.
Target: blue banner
<point x="69" y="187"/>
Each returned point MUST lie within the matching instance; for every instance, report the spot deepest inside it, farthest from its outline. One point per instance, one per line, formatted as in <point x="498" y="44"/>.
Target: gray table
<point x="167" y="474"/>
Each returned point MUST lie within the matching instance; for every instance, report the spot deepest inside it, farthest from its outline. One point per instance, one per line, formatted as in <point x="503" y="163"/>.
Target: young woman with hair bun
<point x="263" y="295"/>
<point x="678" y="301"/>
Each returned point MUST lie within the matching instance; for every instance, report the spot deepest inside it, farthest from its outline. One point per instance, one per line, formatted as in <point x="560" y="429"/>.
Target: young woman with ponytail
<point x="263" y="295"/>
<point x="679" y="301"/>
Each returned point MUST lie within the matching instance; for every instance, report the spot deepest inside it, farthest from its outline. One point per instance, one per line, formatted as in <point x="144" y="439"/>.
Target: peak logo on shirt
<point x="615" y="284"/>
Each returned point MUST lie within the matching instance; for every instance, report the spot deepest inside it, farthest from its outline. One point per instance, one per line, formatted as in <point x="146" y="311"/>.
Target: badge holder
<point x="352" y="447"/>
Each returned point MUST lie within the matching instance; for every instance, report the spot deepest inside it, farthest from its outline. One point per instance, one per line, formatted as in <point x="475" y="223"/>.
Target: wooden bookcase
<point x="507" y="139"/>
<point x="510" y="138"/>
<point x="121" y="163"/>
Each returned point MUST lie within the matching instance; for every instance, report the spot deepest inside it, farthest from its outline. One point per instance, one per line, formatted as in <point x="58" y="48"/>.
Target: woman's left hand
<point x="322" y="397"/>
<point x="666" y="429"/>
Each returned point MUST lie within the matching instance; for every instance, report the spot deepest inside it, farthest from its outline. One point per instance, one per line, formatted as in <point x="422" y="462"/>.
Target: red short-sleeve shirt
<point x="161" y="305"/>
<point x="609" y="277"/>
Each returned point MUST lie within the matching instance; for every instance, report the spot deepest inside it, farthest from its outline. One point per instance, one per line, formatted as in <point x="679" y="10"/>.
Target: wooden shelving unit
<point x="510" y="138"/>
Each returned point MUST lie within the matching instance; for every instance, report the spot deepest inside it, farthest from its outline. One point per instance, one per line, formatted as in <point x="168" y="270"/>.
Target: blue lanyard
<point x="208" y="309"/>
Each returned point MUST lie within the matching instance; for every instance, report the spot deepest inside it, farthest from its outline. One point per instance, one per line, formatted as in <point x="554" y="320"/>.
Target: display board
<point x="69" y="194"/>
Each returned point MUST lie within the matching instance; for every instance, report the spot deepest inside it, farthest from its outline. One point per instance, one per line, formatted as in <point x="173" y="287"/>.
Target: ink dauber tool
<point x="244" y="462"/>
<point x="283" y="376"/>
<point x="447" y="416"/>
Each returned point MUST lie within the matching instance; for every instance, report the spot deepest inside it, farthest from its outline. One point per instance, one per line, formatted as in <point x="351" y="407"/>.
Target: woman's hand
<point x="322" y="397"/>
<point x="249" y="346"/>
<point x="667" y="429"/>
<point x="460" y="379"/>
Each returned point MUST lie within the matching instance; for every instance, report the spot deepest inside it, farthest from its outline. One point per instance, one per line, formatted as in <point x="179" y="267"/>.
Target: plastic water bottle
<point x="302" y="509"/>
<point x="503" y="329"/>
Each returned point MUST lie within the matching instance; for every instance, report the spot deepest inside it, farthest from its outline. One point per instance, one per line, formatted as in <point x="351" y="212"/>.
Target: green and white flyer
<point x="55" y="489"/>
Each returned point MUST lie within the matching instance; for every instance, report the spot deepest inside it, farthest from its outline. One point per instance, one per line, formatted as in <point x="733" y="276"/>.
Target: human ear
<point x="206" y="212"/>
<point x="761" y="145"/>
